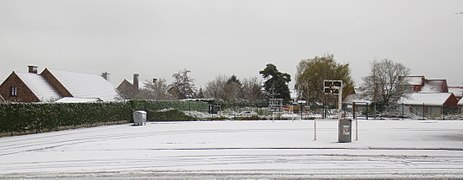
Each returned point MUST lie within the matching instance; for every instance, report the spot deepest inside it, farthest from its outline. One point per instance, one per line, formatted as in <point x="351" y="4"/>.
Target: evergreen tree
<point x="276" y="82"/>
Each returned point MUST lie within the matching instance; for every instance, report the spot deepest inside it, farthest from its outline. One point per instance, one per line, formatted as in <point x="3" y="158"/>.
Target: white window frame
<point x="13" y="91"/>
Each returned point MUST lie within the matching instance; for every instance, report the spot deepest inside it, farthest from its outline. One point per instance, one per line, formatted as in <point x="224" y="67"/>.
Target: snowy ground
<point x="238" y="149"/>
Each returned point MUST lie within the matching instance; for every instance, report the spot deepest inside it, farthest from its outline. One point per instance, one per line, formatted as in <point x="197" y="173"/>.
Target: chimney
<point x="135" y="80"/>
<point x="105" y="75"/>
<point x="32" y="69"/>
<point x="155" y="80"/>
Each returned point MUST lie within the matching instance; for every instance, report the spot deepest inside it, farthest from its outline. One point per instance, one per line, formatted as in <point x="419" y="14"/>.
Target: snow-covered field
<point x="239" y="149"/>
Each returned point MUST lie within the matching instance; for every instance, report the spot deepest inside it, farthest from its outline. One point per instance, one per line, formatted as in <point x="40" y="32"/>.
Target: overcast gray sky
<point x="225" y="37"/>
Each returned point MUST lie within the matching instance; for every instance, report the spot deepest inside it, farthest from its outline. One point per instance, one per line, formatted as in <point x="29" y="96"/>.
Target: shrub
<point x="21" y="117"/>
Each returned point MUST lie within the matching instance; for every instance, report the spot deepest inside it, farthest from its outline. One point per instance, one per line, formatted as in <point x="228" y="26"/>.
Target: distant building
<point x="415" y="83"/>
<point x="53" y="85"/>
<point x="457" y="91"/>
<point x="435" y="86"/>
<point x="423" y="85"/>
<point x="129" y="90"/>
<point x="429" y="96"/>
<point x="431" y="104"/>
<point x="356" y="99"/>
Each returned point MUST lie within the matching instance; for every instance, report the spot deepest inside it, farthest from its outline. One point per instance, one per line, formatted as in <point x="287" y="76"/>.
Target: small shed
<point x="357" y="103"/>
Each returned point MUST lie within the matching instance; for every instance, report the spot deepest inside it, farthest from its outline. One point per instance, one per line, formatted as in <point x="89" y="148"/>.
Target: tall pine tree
<point x="276" y="82"/>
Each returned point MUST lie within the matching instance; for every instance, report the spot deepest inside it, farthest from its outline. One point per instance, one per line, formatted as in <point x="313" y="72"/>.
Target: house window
<point x="13" y="91"/>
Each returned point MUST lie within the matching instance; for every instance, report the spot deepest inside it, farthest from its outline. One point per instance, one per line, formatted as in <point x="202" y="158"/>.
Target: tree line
<point x="383" y="85"/>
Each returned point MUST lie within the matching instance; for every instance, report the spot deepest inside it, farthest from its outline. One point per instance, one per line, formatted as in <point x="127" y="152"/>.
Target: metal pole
<point x="314" y="129"/>
<point x="367" y="110"/>
<point x="356" y="121"/>
<point x="300" y="109"/>
<point x="356" y="130"/>
<point x="340" y="101"/>
<point x="324" y="107"/>
<point x="340" y="106"/>
<point x="353" y="110"/>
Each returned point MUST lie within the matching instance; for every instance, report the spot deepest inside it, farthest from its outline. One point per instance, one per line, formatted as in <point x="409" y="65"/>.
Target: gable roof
<point x="39" y="86"/>
<point x="430" y="99"/>
<point x="456" y="90"/>
<point x="357" y="98"/>
<point x="125" y="84"/>
<point x="82" y="85"/>
<point x="460" y="103"/>
<point x="435" y="86"/>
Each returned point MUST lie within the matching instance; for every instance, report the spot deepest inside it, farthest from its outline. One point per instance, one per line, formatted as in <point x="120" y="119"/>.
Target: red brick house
<point x="52" y="85"/>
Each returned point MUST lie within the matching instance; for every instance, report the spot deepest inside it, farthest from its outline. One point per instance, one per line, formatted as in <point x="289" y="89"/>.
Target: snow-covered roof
<point x="82" y="85"/>
<point x="39" y="86"/>
<point x="434" y="86"/>
<point x="355" y="98"/>
<point x="460" y="103"/>
<point x="414" y="80"/>
<point x="78" y="100"/>
<point x="430" y="99"/>
<point x="456" y="90"/>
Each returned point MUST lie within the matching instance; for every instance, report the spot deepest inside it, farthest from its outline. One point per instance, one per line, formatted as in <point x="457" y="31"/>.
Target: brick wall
<point x="24" y="94"/>
<point x="452" y="102"/>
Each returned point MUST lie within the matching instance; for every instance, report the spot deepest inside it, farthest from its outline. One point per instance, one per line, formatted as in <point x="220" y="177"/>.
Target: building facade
<point x="52" y="85"/>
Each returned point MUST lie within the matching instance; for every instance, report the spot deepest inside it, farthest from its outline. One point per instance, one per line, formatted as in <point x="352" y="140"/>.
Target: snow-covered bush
<point x="21" y="117"/>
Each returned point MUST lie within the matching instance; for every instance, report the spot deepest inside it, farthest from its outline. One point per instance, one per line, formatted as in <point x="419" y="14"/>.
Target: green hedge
<point x="38" y="117"/>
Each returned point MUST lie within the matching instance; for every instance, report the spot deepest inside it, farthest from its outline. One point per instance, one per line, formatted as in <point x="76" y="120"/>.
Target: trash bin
<point x="345" y="130"/>
<point x="139" y="118"/>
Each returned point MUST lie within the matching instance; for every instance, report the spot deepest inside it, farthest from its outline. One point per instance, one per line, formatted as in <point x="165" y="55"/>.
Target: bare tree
<point x="252" y="90"/>
<point x="156" y="89"/>
<point x="231" y="89"/>
<point x="215" y="88"/>
<point x="385" y="83"/>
